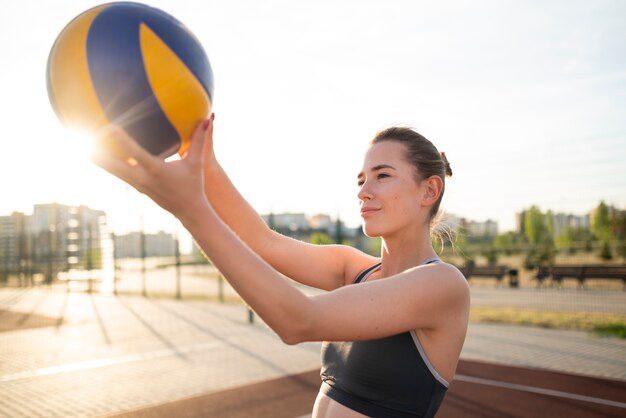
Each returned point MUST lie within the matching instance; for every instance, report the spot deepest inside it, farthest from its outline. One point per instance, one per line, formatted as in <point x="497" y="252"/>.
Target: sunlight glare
<point x="79" y="145"/>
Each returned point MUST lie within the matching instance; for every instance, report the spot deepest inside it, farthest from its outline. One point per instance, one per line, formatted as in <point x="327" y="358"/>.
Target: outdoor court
<point x="77" y="354"/>
<point x="481" y="390"/>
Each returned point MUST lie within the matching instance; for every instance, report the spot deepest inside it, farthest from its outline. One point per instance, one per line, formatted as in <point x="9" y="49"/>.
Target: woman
<point x="392" y="341"/>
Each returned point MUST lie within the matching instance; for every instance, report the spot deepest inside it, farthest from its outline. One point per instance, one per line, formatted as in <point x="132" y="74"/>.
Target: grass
<point x="599" y="323"/>
<point x="194" y="297"/>
<point x="616" y="329"/>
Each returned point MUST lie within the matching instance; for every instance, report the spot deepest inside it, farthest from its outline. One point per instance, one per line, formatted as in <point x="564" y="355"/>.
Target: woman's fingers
<point x="207" y="150"/>
<point x="198" y="139"/>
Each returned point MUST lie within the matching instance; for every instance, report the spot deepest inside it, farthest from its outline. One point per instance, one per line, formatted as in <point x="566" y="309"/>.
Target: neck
<point x="400" y="253"/>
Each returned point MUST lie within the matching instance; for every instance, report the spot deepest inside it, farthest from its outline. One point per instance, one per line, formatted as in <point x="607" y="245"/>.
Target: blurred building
<point x="488" y="228"/>
<point x="15" y="244"/>
<point x="321" y="221"/>
<point x="287" y="221"/>
<point x="138" y="244"/>
<point x="560" y="222"/>
<point x="54" y="238"/>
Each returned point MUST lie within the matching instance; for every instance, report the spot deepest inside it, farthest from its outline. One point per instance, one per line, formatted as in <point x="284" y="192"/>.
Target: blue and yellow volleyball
<point x="133" y="66"/>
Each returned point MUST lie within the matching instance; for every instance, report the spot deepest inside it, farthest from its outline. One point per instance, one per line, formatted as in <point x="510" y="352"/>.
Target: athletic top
<point x="387" y="377"/>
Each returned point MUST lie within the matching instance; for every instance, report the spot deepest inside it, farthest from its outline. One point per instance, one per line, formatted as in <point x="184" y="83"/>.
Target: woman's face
<point x="388" y="191"/>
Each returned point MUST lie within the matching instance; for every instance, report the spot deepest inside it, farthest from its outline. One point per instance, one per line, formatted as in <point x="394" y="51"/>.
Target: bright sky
<point x="527" y="99"/>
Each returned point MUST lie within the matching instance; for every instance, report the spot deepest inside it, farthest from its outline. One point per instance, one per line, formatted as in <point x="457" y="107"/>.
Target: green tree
<point x="606" y="253"/>
<point x="507" y="242"/>
<point x="549" y="220"/>
<point x="601" y="224"/>
<point x="320" y="238"/>
<point x="491" y="254"/>
<point x="338" y="231"/>
<point x="620" y="232"/>
<point x="565" y="241"/>
<point x="535" y="226"/>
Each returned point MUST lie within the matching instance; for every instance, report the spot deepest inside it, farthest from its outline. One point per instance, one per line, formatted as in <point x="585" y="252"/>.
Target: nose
<point x="364" y="192"/>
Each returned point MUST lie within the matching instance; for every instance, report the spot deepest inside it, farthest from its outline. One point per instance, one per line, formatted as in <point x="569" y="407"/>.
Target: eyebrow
<point x="377" y="168"/>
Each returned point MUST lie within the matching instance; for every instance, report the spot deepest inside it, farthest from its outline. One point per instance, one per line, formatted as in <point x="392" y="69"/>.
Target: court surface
<point x="480" y="390"/>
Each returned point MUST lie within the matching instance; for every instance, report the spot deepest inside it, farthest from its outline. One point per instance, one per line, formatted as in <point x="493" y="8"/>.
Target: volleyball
<point x="133" y="66"/>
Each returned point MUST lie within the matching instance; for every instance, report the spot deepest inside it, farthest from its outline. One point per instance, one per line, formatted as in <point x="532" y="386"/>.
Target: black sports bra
<point x="387" y="377"/>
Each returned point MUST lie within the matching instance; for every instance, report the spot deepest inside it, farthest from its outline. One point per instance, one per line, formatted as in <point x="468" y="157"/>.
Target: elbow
<point x="294" y="333"/>
<point x="291" y="339"/>
<point x="298" y="329"/>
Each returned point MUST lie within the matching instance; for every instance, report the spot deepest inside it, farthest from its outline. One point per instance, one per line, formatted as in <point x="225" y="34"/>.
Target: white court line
<point x="540" y="391"/>
<point x="113" y="361"/>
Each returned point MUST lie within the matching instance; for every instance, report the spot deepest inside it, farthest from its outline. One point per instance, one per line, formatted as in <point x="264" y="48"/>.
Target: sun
<point x="78" y="145"/>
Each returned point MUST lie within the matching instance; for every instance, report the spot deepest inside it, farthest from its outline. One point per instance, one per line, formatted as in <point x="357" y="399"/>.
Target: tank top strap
<point x="432" y="260"/>
<point x="362" y="275"/>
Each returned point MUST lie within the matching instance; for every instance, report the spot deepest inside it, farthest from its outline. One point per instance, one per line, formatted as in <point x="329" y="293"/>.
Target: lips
<point x="365" y="211"/>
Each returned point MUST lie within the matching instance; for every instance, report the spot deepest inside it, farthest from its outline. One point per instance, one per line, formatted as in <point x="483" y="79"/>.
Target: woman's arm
<point x="425" y="297"/>
<point x="325" y="267"/>
<point x="422" y="297"/>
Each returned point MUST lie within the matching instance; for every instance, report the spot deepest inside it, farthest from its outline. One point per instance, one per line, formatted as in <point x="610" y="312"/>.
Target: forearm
<point x="283" y="307"/>
<point x="234" y="209"/>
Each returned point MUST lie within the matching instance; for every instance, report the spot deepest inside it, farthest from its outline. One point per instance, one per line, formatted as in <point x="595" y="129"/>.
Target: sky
<point x="527" y="99"/>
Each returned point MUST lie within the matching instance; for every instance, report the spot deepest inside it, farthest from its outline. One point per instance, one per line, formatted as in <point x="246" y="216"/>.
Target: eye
<point x="382" y="175"/>
<point x="360" y="183"/>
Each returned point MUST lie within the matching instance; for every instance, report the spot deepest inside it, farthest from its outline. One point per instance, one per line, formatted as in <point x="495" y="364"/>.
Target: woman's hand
<point x="207" y="151"/>
<point x="177" y="186"/>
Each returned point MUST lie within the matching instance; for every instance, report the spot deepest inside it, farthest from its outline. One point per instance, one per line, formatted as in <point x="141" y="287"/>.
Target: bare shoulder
<point x="452" y="273"/>
<point x="442" y="280"/>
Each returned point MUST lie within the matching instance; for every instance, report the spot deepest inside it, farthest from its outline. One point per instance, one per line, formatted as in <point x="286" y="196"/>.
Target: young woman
<point x="393" y="327"/>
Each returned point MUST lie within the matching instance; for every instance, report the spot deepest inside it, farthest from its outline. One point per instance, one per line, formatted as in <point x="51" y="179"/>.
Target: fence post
<point x="114" y="256"/>
<point x="220" y="288"/>
<point x="177" y="255"/>
<point x="142" y="244"/>
<point x="513" y="278"/>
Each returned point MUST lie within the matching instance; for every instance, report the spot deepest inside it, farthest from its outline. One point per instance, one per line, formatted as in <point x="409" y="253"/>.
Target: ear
<point x="433" y="187"/>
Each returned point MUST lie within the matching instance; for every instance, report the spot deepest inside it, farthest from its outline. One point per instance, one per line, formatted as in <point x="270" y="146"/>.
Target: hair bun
<point x="446" y="164"/>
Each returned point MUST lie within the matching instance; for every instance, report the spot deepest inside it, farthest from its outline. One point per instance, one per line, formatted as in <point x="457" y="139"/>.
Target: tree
<point x="601" y="224"/>
<point x="507" y="242"/>
<point x="536" y="227"/>
<point x="320" y="238"/>
<point x="565" y="241"/>
<point x="619" y="228"/>
<point x="606" y="253"/>
<point x="338" y="231"/>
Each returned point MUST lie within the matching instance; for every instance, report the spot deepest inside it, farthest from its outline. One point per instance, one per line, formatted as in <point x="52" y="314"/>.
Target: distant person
<point x="393" y="326"/>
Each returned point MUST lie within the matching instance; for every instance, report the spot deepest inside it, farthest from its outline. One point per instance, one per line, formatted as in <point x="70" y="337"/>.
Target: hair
<point x="424" y="156"/>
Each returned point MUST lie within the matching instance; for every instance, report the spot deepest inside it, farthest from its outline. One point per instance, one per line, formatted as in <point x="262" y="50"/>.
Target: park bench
<point x="581" y="273"/>
<point x="497" y="272"/>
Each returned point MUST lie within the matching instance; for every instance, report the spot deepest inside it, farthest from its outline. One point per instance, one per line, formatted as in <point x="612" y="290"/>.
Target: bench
<point x="498" y="272"/>
<point x="581" y="273"/>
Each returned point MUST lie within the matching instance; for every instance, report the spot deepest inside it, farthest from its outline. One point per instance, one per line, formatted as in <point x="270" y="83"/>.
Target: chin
<point x="371" y="231"/>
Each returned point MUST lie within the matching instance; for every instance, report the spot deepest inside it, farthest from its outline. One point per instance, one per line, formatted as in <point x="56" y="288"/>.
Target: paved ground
<point x="83" y="355"/>
<point x="481" y="390"/>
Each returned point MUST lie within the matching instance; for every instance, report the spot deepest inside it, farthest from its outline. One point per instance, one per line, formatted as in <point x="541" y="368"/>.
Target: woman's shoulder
<point x="443" y="276"/>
